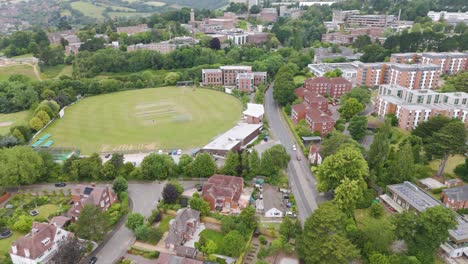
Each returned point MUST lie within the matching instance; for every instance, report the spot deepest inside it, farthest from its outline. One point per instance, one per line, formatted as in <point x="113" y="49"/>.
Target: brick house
<point x="223" y="192"/>
<point x="182" y="228"/>
<point x="102" y="197"/>
<point x="254" y="113"/>
<point x="298" y="112"/>
<point x="334" y="87"/>
<point x="40" y="245"/>
<point x="455" y="198"/>
<point x="319" y="121"/>
<point x="316" y="101"/>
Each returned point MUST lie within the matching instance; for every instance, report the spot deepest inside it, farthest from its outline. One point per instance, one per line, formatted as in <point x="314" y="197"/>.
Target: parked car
<point x="6" y="233"/>
<point x="199" y="187"/>
<point x="60" y="184"/>
<point x="179" y="152"/>
<point x="107" y="155"/>
<point x="9" y="206"/>
<point x="160" y="151"/>
<point x="34" y="212"/>
<point x="291" y="214"/>
<point x="92" y="260"/>
<point x="294" y="147"/>
<point x="174" y="152"/>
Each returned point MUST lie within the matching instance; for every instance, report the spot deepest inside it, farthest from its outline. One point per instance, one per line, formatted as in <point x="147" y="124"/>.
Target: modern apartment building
<point x="413" y="107"/>
<point x="350" y="36"/>
<point x="448" y="62"/>
<point x="371" y="20"/>
<point x="413" y="76"/>
<point x="451" y="17"/>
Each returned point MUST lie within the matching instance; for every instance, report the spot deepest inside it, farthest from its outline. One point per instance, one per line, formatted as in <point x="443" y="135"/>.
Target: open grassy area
<point x="127" y="14"/>
<point x="299" y="79"/>
<point x="451" y="163"/>
<point x="48" y="72"/>
<point x="27" y="55"/>
<point x="25" y="69"/>
<point x="47" y="209"/>
<point x="215" y="236"/>
<point x="8" y="120"/>
<point x="146" y="119"/>
<point x="88" y="9"/>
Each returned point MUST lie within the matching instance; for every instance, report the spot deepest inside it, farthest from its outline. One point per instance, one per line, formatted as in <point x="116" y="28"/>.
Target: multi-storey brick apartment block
<point x="412" y="107"/>
<point x="412" y="70"/>
<point x="351" y="36"/>
<point x="241" y="77"/>
<point x="334" y="87"/>
<point x="413" y="76"/>
<point x="449" y="62"/>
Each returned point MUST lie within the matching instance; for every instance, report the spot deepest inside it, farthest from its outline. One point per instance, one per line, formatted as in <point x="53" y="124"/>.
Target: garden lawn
<point x="46" y="210"/>
<point x="215" y="236"/>
<point x="5" y="245"/>
<point x="24" y="69"/>
<point x="48" y="72"/>
<point x="164" y="224"/>
<point x="452" y="162"/>
<point x="146" y="119"/>
<point x="9" y="120"/>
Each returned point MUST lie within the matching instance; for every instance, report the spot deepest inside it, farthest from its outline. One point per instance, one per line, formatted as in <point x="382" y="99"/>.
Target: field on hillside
<point x="8" y="120"/>
<point x="147" y="119"/>
<point x="7" y="71"/>
<point x="88" y="9"/>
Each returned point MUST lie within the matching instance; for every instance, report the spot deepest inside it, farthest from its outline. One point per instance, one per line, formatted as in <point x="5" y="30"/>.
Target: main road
<point x="301" y="179"/>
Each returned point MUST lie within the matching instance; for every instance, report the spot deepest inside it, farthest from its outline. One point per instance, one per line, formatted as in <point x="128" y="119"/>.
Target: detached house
<point x="102" y="197"/>
<point x="223" y="192"/>
<point x="456" y="198"/>
<point x="40" y="245"/>
<point x="182" y="228"/>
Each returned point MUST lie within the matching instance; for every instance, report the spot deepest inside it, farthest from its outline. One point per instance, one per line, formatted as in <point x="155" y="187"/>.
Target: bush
<point x="376" y="210"/>
<point x="366" y="199"/>
<point x="262" y="240"/>
<point x="142" y="232"/>
<point x="438" y="190"/>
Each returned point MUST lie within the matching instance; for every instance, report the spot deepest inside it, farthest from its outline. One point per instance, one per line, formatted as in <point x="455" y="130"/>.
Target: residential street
<point x="144" y="195"/>
<point x="301" y="179"/>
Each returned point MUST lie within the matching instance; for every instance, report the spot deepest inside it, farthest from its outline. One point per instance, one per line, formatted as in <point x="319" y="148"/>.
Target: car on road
<point x="294" y="147"/>
<point x="5" y="233"/>
<point x="60" y="184"/>
<point x="92" y="260"/>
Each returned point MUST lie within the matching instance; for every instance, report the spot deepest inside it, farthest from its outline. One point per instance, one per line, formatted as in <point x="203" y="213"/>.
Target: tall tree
<point x="378" y="151"/>
<point x="231" y="165"/>
<point x="449" y="141"/>
<point x="254" y="162"/>
<point x="92" y="223"/>
<point x="156" y="166"/>
<point x="402" y="166"/>
<point x="346" y="163"/>
<point x="20" y="165"/>
<point x="134" y="220"/>
<point x="334" y="142"/>
<point x="347" y="194"/>
<point x="203" y="166"/>
<point x="120" y="184"/>
<point x="233" y="244"/>
<point x="170" y="194"/>
<point x="362" y="41"/>
<point x="358" y="127"/>
<point x="350" y="108"/>
<point x="324" y="237"/>
<point x="69" y="251"/>
<point x="215" y="44"/>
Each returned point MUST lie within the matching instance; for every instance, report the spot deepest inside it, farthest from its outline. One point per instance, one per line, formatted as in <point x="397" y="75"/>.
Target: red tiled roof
<point x="223" y="186"/>
<point x="33" y="242"/>
<point x="317" y="80"/>
<point x="60" y="220"/>
<point x="318" y="116"/>
<point x="299" y="108"/>
<point x="300" y="91"/>
<point x="339" y="80"/>
<point x="315" y="98"/>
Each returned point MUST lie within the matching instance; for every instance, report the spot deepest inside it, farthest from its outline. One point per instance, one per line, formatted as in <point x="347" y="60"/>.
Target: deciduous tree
<point x="170" y="194"/>
<point x="350" y="108"/>
<point x="203" y="166"/>
<point x="231" y="165"/>
<point x="69" y="251"/>
<point x="347" y="194"/>
<point x="233" y="244"/>
<point x="120" y="184"/>
<point x="92" y="223"/>
<point x="134" y="220"/>
<point x="156" y="166"/>
<point x="402" y="166"/>
<point x="358" y="127"/>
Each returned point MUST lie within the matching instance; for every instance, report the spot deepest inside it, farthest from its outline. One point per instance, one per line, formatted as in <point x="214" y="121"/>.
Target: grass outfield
<point x="147" y="119"/>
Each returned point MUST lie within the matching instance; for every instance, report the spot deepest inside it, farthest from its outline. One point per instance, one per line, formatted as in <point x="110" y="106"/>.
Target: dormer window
<point x="46" y="241"/>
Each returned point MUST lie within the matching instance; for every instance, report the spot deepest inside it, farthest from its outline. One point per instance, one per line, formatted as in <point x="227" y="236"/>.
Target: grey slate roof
<point x="179" y="225"/>
<point x="457" y="193"/>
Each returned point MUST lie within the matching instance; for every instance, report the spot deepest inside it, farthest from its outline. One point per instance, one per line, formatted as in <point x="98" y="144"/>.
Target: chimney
<point x="14" y="249"/>
<point x="26" y="253"/>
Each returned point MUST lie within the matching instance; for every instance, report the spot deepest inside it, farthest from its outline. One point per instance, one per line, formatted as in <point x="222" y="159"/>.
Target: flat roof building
<point x="233" y="139"/>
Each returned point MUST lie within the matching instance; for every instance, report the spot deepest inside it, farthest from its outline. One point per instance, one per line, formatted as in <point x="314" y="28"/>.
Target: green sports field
<point x="147" y="119"/>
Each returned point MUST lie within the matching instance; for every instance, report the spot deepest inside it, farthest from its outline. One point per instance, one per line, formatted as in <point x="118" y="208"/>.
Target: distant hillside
<point x="200" y="4"/>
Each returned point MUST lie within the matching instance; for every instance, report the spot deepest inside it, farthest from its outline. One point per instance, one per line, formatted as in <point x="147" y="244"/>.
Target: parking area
<point x="273" y="198"/>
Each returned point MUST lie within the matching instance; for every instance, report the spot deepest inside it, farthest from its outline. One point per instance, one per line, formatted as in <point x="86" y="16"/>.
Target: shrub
<point x="142" y="232"/>
<point x="376" y="210"/>
<point x="438" y="190"/>
<point x="262" y="240"/>
<point x="366" y="199"/>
